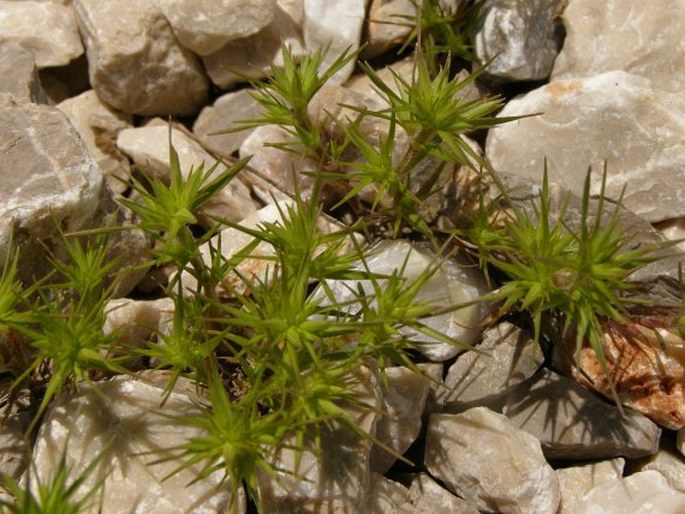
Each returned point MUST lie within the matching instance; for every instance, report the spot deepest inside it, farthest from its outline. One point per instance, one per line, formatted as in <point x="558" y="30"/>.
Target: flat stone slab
<point x="615" y="118"/>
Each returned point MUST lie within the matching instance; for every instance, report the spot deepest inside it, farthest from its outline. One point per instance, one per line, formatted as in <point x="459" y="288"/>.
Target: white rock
<point x="388" y="497"/>
<point x="204" y="26"/>
<point x="149" y="148"/>
<point x="623" y="35"/>
<point x="429" y="497"/>
<point x="47" y="29"/>
<point x="293" y="8"/>
<point x="404" y="397"/>
<point x="449" y="286"/>
<point x="615" y="117"/>
<point x="670" y="464"/>
<point x="48" y="180"/>
<point x="136" y="321"/>
<point x="338" y="24"/>
<point x="19" y="74"/>
<point x="680" y="441"/>
<point x="481" y="457"/>
<point x="98" y="125"/>
<point x="223" y="115"/>
<point x="646" y="492"/>
<point x="123" y="420"/>
<point x="135" y="63"/>
<point x="576" y="481"/>
<point x="13" y="459"/>
<point x="674" y="230"/>
<point x="506" y="357"/>
<point x="253" y="56"/>
<point x="283" y="169"/>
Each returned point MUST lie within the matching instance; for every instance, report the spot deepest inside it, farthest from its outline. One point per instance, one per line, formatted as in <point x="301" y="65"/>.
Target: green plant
<point x="58" y="495"/>
<point x="439" y="32"/>
<point x="550" y="269"/>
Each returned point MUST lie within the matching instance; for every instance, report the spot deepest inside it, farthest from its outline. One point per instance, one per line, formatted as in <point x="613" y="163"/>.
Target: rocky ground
<point x="86" y="91"/>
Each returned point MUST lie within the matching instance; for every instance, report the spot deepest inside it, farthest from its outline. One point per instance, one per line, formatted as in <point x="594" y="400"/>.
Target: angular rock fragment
<point x="223" y="115"/>
<point x="506" y="357"/>
<point x="122" y="421"/>
<point x="429" y="497"/>
<point x="450" y="285"/>
<point x="483" y="458"/>
<point x="19" y="74"/>
<point x="521" y="37"/>
<point x="47" y="29"/>
<point x="13" y="461"/>
<point x="645" y="364"/>
<point x="646" y="492"/>
<point x="576" y="481"/>
<point x="572" y="423"/>
<point x="621" y="35"/>
<point x="204" y="26"/>
<point x="387" y="497"/>
<point x="670" y="464"/>
<point x="148" y="147"/>
<point x="281" y="169"/>
<point x="49" y="182"/>
<point x="253" y="56"/>
<point x="336" y="25"/>
<point x="98" y="125"/>
<point x="136" y="321"/>
<point x="404" y="397"/>
<point x="674" y="230"/>
<point x="135" y="63"/>
<point x="615" y="118"/>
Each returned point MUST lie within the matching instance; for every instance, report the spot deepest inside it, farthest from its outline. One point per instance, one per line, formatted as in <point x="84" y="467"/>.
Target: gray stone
<point x="450" y="285"/>
<point x="646" y="492"/>
<point x="280" y="170"/>
<point x="429" y="497"/>
<point x="404" y="397"/>
<point x="506" y="357"/>
<point x="136" y="322"/>
<point x="98" y="125"/>
<point x="617" y="118"/>
<point x="204" y="26"/>
<point x="674" y="230"/>
<point x="49" y="180"/>
<point x="576" y="481"/>
<point x="19" y="74"/>
<point x="483" y="458"/>
<point x="135" y="63"/>
<point x="124" y="421"/>
<point x="521" y="37"/>
<point x="13" y="461"/>
<point x="670" y="464"/>
<point x="253" y="56"/>
<point x="572" y="423"/>
<point x="47" y="29"/>
<point x="148" y="147"/>
<point x="334" y="478"/>
<point x="337" y="25"/>
<point x="387" y="497"/>
<point x="223" y="115"/>
<point x="622" y="35"/>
